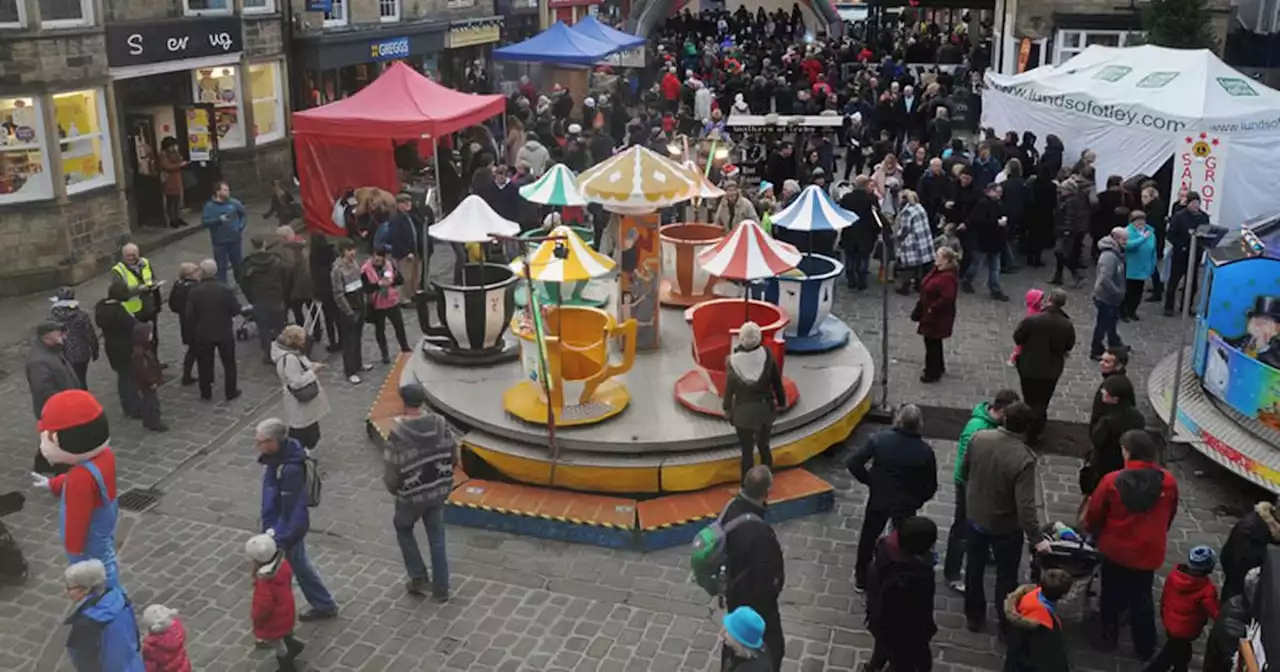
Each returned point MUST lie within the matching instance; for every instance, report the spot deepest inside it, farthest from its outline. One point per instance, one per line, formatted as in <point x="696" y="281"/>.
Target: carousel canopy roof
<point x="473" y="221"/>
<point x="705" y="188"/>
<point x="581" y="262"/>
<point x="638" y="180"/>
<point x="813" y="210"/>
<point x="558" y="186"/>
<point x="748" y="253"/>
<point x="558" y="44"/>
<point x="592" y="28"/>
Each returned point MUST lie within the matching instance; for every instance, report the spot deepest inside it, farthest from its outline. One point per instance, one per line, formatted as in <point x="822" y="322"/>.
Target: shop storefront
<point x="79" y="140"/>
<point x="571" y="11"/>
<point x="332" y="66"/>
<point x="468" y="59"/>
<point x="519" y="19"/>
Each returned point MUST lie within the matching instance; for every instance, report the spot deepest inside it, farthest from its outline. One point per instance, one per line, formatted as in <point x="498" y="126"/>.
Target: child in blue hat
<point x="743" y="641"/>
<point x="1187" y="603"/>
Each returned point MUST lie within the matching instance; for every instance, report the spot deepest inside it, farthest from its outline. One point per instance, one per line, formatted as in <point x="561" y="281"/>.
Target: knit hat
<point x="749" y="335"/>
<point x="77" y="427"/>
<point x="745" y="626"/>
<point x="588" y="102"/>
<point x="1202" y="559"/>
<point x="157" y="618"/>
<point x="260" y="548"/>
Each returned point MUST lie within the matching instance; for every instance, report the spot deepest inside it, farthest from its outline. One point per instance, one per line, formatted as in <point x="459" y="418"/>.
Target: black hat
<point x="49" y="327"/>
<point x="1266" y="305"/>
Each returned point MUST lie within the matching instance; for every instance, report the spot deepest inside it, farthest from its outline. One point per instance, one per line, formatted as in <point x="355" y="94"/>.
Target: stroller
<point x="1076" y="556"/>
<point x="247" y="328"/>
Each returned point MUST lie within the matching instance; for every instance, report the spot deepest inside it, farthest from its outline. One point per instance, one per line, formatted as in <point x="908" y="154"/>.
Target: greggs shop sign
<point x="468" y="35"/>
<point x="386" y="50"/>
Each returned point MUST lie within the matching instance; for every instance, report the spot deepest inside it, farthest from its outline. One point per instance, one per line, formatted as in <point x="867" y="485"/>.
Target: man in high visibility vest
<point x="133" y="272"/>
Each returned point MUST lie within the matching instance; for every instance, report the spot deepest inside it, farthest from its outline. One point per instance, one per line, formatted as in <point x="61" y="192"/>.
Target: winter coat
<point x="866" y="229"/>
<point x="1246" y="546"/>
<point x="402" y="235"/>
<point x="903" y="474"/>
<point x="536" y="156"/>
<point x="418" y="462"/>
<point x="167" y="651"/>
<point x="1034" y="633"/>
<point x="298" y="285"/>
<point x="273" y="610"/>
<point x="1182" y="226"/>
<point x="144" y="366"/>
<point x="1000" y="475"/>
<point x="211" y="308"/>
<point x="1076" y="202"/>
<point x="979" y="420"/>
<point x="1046" y="338"/>
<point x="983" y="223"/>
<point x="104" y="634"/>
<point x="963" y="200"/>
<point x="1108" y="287"/>
<point x="984" y="171"/>
<point x="505" y="200"/>
<point x="284" y="493"/>
<point x="347" y="282"/>
<point x="380" y="297"/>
<point x="1187" y="603"/>
<point x="294" y="372"/>
<point x="1015" y="201"/>
<point x="80" y="345"/>
<point x="265" y="279"/>
<point x="1099" y="408"/>
<point x="230" y="231"/>
<point x="178" y="305"/>
<point x="171" y="161"/>
<point x="755" y="572"/>
<point x="728" y="216"/>
<point x="322" y="257"/>
<point x="753" y="388"/>
<point x="938" y="303"/>
<point x="117" y="332"/>
<point x="1140" y="253"/>
<point x="914" y="238"/>
<point x="1104" y="435"/>
<point x="48" y="373"/>
<point x="899" y="594"/>
<point x="760" y="663"/>
<point x="1130" y="513"/>
<point x="934" y="191"/>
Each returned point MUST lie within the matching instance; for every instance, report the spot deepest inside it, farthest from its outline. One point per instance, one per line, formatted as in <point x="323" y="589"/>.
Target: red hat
<point x="80" y="424"/>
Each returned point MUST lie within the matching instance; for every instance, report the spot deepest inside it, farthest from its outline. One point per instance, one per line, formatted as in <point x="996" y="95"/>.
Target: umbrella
<point x="580" y="263"/>
<point x="558" y="186"/>
<point x="705" y="188"/>
<point x="813" y="210"/>
<point x="637" y="180"/>
<point x="748" y="253"/>
<point x="473" y="221"/>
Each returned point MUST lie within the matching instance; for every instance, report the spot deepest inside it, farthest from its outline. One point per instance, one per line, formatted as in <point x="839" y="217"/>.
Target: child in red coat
<point x="273" y="610"/>
<point x="1188" y="602"/>
<point x="164" y="646"/>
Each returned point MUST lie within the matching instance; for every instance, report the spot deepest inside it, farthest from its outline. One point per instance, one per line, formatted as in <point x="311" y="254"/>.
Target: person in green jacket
<point x="986" y="415"/>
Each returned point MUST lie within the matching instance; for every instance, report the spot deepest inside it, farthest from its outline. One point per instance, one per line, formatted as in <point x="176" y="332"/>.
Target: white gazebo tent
<point x="1137" y="107"/>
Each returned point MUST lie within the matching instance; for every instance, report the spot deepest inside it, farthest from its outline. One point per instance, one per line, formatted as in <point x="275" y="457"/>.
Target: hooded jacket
<point x="265" y="279"/>
<point x="900" y="590"/>
<point x="293" y="370"/>
<point x="1130" y="513"/>
<point x="117" y="332"/>
<point x="903" y="474"/>
<point x="1188" y="602"/>
<point x="48" y="373"/>
<point x="1105" y="433"/>
<point x="1000" y="471"/>
<point x="284" y="493"/>
<point x="1246" y="546"/>
<point x="80" y="345"/>
<point x="979" y="420"/>
<point x="536" y="156"/>
<point x="1108" y="287"/>
<point x="1034" y="633"/>
<point x="753" y="388"/>
<point x="418" y="461"/>
<point x="143" y="363"/>
<point x="273" y="611"/>
<point x="167" y="651"/>
<point x="104" y="634"/>
<point x="1076" y="201"/>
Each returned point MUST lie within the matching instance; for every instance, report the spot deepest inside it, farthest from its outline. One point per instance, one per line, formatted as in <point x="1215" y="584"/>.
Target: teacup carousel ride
<point x="684" y="283"/>
<point x="559" y="187"/>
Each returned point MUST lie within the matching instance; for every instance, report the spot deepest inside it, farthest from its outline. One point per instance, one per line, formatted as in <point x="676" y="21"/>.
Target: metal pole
<point x="884" y="310"/>
<point x="1189" y="284"/>
<point x="426" y="258"/>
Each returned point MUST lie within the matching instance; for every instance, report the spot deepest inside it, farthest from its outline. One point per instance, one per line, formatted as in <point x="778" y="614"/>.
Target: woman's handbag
<point x="307" y="392"/>
<point x="917" y="312"/>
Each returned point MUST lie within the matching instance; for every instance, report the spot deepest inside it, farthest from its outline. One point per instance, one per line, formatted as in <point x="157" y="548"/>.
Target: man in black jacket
<point x="1046" y="339"/>
<point x="48" y="373"/>
<point x="211" y="308"/>
<point x="754" y="569"/>
<point x="903" y="476"/>
<point x="782" y="165"/>
<point x="860" y="239"/>
<point x="1184" y="224"/>
<point x="900" y="597"/>
<point x="1114" y="362"/>
<point x="1120" y="415"/>
<point x="404" y="239"/>
<point x="934" y="189"/>
<point x="265" y="280"/>
<point x="986" y="226"/>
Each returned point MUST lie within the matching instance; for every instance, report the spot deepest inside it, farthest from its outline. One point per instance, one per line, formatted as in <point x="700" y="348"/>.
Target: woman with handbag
<point x="304" y="402"/>
<point x="935" y="311"/>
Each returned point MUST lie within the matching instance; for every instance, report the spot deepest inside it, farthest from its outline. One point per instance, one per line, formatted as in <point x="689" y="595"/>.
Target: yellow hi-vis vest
<point x="132" y="281"/>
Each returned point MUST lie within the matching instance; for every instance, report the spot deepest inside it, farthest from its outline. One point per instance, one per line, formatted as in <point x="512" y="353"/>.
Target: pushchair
<point x="1078" y="558"/>
<point x="246" y="329"/>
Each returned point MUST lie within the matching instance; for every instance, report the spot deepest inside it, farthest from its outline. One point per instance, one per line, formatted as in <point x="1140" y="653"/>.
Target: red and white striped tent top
<point x="748" y="253"/>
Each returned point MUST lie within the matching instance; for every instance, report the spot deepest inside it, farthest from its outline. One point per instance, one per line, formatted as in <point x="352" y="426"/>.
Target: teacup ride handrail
<point x="627" y="331"/>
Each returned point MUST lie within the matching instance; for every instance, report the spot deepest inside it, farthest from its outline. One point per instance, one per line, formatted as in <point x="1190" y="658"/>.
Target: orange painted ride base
<point x="695" y="393"/>
<point x="668" y="296"/>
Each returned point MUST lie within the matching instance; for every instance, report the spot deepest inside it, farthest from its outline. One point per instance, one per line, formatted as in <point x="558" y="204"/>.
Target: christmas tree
<point x="1181" y="24"/>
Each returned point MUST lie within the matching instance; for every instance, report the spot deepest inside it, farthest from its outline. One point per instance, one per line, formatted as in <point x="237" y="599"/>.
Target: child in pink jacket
<point x="1035" y="305"/>
<point x="164" y="646"/>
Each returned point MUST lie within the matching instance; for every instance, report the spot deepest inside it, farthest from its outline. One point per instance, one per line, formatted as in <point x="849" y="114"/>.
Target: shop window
<point x="12" y="14"/>
<point x="65" y="13"/>
<point x="259" y="6"/>
<point x="265" y="86"/>
<point x="84" y="144"/>
<point x="208" y="6"/>
<point x="220" y="87"/>
<point x="337" y="14"/>
<point x="389" y="10"/>
<point x="24" y="165"/>
<point x="1072" y="42"/>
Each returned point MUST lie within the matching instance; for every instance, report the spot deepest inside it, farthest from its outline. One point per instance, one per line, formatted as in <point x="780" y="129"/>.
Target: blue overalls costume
<point x="100" y="541"/>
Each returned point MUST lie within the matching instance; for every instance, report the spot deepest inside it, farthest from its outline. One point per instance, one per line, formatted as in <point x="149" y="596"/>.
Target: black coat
<point x="48" y="373"/>
<point x="178" y="304"/>
<point x="211" y="309"/>
<point x="934" y="192"/>
<point x="1099" y="409"/>
<point x="903" y="474"/>
<point x="1246" y="546"/>
<point x="1015" y="202"/>
<point x="1105" y="435"/>
<point x="863" y="233"/>
<point x="755" y="572"/>
<point x="963" y="199"/>
<point x="265" y="280"/>
<point x="117" y="332"/>
<point x="1046" y="338"/>
<point x="899" y="595"/>
<point x="322" y="257"/>
<point x="983" y="223"/>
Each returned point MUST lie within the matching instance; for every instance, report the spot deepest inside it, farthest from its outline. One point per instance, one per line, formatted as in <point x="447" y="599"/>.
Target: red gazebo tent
<point x="350" y="143"/>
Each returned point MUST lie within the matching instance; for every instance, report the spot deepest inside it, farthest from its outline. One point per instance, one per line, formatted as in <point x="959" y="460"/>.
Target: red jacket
<point x="1187" y="603"/>
<point x="1130" y="513"/>
<point x="938" y="304"/>
<point x="812" y="68"/>
<point x="166" y="651"/>
<point x="273" y="609"/>
<point x="670" y="86"/>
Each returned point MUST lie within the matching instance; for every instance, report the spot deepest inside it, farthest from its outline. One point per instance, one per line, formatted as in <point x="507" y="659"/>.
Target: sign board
<point x="778" y="122"/>
<point x="199" y="134"/>
<point x="319" y="6"/>
<point x="631" y="58"/>
<point x="1200" y="164"/>
<point x="162" y="41"/>
<point x="466" y="36"/>
<point x="386" y="50"/>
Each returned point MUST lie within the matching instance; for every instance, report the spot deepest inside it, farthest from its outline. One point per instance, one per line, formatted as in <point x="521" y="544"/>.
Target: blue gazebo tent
<point x="558" y="44"/>
<point x="598" y="31"/>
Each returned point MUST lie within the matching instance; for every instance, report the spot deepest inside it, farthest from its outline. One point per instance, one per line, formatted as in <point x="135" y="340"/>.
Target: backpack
<point x="313" y="478"/>
<point x="710" y="551"/>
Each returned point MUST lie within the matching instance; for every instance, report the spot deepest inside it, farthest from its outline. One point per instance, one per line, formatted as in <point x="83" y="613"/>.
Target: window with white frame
<point x="12" y="14"/>
<point x="1068" y="43"/>
<point x="83" y="139"/>
<point x="66" y="13"/>
<point x="259" y="6"/>
<point x="337" y="14"/>
<point x="208" y="6"/>
<point x="388" y="10"/>
<point x="24" y="163"/>
<point x="265" y="87"/>
<point x="219" y="86"/>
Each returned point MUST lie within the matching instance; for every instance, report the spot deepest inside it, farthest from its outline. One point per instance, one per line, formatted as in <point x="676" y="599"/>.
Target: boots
<point x="294" y="645"/>
<point x="286" y="664"/>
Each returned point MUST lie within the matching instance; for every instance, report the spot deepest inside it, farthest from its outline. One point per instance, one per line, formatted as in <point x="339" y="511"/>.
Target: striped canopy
<point x="473" y="221"/>
<point x="748" y="253"/>
<point x="558" y="186"/>
<point x="637" y="180"/>
<point x="813" y="210"/>
<point x="582" y="262"/>
<point x="705" y="188"/>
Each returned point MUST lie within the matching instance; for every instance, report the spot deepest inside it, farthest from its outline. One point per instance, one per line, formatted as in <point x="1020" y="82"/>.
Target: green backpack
<point x="710" y="551"/>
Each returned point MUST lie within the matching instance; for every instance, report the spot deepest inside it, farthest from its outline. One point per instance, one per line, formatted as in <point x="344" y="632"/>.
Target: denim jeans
<point x="433" y="520"/>
<point x="308" y="578"/>
<point x="228" y="257"/>
<point x="130" y="402"/>
<point x="857" y="265"/>
<point x="1007" y="551"/>
<point x="960" y="528"/>
<point x="1108" y="319"/>
<point x="992" y="260"/>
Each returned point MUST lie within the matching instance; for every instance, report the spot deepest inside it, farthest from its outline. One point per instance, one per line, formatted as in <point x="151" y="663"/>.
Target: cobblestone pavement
<point x="520" y="603"/>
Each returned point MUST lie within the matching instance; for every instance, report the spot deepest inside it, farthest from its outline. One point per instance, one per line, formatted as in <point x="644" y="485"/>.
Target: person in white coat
<point x="304" y="402"/>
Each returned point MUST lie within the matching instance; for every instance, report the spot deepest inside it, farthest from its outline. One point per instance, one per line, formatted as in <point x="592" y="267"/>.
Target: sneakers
<point x="859" y="588"/>
<point x="160" y="428"/>
<point x="318" y="615"/>
<point x="353" y="379"/>
<point x="956" y="585"/>
<point x="233" y="395"/>
<point x="966" y="287"/>
<point x="1000" y="296"/>
<point x="417" y="587"/>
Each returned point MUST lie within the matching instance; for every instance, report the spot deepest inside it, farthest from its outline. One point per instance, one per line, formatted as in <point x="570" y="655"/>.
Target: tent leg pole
<point x="426" y="261"/>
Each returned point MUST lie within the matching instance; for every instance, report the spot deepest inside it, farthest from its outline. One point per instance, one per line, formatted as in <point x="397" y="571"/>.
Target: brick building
<point x="90" y="90"/>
